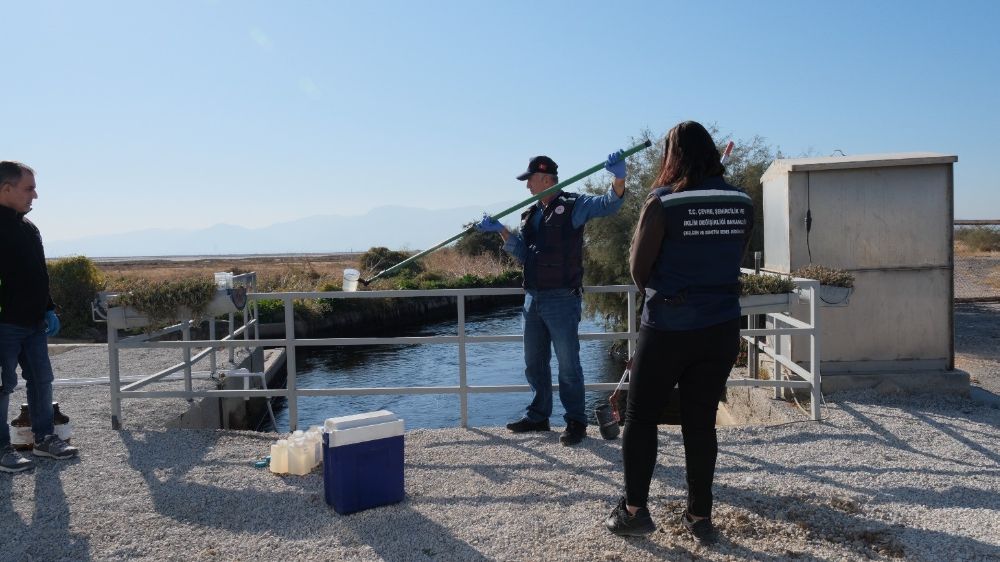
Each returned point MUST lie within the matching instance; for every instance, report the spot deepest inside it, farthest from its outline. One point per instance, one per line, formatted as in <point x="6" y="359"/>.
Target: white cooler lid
<point x="358" y="420"/>
<point x="340" y="437"/>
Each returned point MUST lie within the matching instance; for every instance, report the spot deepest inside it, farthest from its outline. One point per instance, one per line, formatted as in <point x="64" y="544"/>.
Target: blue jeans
<point x="27" y="347"/>
<point x="552" y="319"/>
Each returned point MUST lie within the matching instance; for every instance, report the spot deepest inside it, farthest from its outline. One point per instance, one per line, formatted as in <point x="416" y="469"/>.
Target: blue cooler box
<point x="363" y="461"/>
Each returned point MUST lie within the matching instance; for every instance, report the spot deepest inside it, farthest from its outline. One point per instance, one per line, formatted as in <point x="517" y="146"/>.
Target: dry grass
<point x="453" y="264"/>
<point x="287" y="273"/>
<point x="994" y="277"/>
<point x="293" y="273"/>
<point x="963" y="250"/>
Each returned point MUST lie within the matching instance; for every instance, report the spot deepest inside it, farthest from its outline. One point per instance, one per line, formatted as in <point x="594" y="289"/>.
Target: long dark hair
<point x="689" y="156"/>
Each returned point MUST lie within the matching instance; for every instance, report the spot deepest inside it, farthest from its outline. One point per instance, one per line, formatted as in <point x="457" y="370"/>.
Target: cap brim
<point x="524" y="176"/>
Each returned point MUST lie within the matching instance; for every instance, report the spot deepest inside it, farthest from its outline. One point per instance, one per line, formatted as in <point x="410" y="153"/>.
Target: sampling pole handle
<point x="550" y="191"/>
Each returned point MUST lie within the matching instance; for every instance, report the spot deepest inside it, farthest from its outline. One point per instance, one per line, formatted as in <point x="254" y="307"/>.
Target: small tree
<point x="74" y="283"/>
<point x="608" y="240"/>
<point x="380" y="258"/>
<point x="478" y="243"/>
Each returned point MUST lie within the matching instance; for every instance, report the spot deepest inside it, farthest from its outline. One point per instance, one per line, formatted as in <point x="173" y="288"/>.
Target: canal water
<point x="437" y="365"/>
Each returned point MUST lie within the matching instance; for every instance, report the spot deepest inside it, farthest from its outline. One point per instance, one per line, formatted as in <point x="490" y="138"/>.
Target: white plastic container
<point x="300" y="457"/>
<point x="351" y="277"/>
<point x="279" y="457"/>
<point x="224" y="280"/>
<point x="315" y="437"/>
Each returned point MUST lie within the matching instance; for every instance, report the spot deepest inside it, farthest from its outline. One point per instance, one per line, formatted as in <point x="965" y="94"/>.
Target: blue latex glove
<point x="488" y="224"/>
<point x="52" y="323"/>
<point x="616" y="164"/>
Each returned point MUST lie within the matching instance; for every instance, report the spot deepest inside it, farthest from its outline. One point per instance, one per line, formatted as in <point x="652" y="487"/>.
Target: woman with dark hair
<point x="685" y="260"/>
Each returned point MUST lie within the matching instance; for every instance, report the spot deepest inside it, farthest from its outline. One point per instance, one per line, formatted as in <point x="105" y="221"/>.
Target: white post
<point x="186" y="335"/>
<point x="211" y="357"/>
<point x="293" y="404"/>
<point x="113" y="374"/>
<point x="463" y="396"/>
<point x="771" y="322"/>
<point x="814" y="355"/>
<point x="232" y="350"/>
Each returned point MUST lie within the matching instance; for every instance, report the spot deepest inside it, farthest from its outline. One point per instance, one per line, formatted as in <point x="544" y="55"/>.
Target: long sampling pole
<point x="552" y="190"/>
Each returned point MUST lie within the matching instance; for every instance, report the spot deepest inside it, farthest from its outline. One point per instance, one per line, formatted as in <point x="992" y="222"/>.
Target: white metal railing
<point x="774" y="342"/>
<point x="290" y="343"/>
<point x="103" y="311"/>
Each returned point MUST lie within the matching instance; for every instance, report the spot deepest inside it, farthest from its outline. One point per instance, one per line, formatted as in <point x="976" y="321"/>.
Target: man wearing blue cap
<point x="550" y="247"/>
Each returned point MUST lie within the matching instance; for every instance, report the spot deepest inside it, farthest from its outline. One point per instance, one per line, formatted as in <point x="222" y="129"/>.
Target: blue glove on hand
<point x="616" y="164"/>
<point x="52" y="323"/>
<point x="488" y="224"/>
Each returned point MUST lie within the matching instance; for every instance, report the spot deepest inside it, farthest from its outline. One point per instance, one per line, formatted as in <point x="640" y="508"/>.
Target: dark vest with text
<point x="695" y="281"/>
<point x="555" y="248"/>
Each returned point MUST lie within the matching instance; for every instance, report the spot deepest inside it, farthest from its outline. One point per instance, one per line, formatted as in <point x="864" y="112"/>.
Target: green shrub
<point x="478" y="243"/>
<point x="380" y="258"/>
<point x="273" y="310"/>
<point x="162" y="301"/>
<point x="765" y="284"/>
<point x="826" y="275"/>
<point x="74" y="283"/>
<point x="270" y="310"/>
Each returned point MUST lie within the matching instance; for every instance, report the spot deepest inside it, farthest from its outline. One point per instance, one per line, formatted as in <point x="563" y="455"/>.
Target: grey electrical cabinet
<point x="887" y="218"/>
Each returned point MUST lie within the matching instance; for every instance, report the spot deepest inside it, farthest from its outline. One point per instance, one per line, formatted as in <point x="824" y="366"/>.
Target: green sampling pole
<point x="550" y="191"/>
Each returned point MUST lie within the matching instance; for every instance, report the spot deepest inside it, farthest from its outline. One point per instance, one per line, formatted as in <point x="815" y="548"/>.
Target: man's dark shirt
<point x="24" y="278"/>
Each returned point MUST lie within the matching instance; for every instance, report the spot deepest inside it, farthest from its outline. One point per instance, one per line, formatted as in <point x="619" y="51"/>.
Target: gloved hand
<point x="52" y="323"/>
<point x="488" y="224"/>
<point x="616" y="164"/>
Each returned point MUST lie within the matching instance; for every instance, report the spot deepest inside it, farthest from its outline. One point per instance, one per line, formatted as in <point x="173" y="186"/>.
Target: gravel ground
<point x="881" y="477"/>
<point x="977" y="276"/>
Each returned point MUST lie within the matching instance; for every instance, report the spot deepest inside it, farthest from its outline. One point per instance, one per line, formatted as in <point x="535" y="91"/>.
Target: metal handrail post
<point x="232" y="350"/>
<point x="211" y="358"/>
<point x="291" y="385"/>
<point x="814" y="355"/>
<point x="777" y="351"/>
<point x="114" y="376"/>
<point x="463" y="397"/>
<point x="186" y="336"/>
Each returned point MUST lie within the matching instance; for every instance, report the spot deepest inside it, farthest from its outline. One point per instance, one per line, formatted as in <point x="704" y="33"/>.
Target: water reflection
<point x="437" y="365"/>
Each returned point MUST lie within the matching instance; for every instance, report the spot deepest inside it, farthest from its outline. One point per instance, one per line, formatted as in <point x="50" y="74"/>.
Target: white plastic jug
<point x="351" y="277"/>
<point x="315" y="436"/>
<point x="279" y="457"/>
<point x="300" y="457"/>
<point x="224" y="280"/>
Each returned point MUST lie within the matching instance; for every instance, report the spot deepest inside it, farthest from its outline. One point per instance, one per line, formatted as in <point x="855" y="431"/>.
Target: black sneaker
<point x="625" y="525"/>
<point x="12" y="461"/>
<point x="525" y="425"/>
<point x="702" y="529"/>
<point x="574" y="433"/>
<point x="55" y="448"/>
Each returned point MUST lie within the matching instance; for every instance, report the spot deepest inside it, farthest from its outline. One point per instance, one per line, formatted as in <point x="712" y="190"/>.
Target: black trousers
<point x="698" y="362"/>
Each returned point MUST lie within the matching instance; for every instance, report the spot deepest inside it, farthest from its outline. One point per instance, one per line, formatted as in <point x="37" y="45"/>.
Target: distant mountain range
<point x="391" y="226"/>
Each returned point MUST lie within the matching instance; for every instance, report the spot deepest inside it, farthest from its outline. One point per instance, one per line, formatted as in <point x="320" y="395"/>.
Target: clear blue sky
<point x="190" y="113"/>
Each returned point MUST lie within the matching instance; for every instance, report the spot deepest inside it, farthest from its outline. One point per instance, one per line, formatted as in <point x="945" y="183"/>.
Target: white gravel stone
<point x="882" y="477"/>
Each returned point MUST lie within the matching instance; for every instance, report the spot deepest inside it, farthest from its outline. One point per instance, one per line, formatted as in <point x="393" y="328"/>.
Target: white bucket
<point x="224" y="280"/>
<point x="351" y="277"/>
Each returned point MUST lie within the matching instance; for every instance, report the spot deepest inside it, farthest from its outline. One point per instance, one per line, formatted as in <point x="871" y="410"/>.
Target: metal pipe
<point x="550" y="191"/>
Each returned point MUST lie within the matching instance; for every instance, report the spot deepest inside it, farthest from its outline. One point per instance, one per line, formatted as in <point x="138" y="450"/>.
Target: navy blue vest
<point x="695" y="280"/>
<point x="555" y="249"/>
